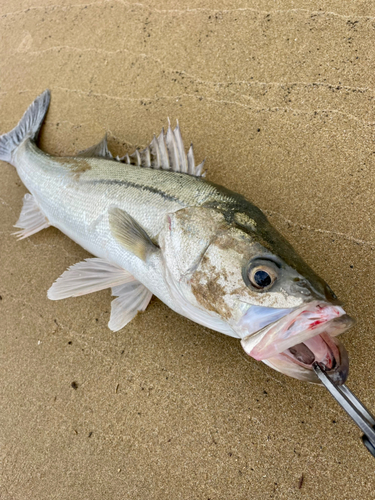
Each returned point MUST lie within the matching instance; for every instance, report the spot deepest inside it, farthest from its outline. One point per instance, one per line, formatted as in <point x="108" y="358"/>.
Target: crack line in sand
<point x="317" y="230"/>
<point x="295" y="111"/>
<point x="337" y="86"/>
<point x="188" y="10"/>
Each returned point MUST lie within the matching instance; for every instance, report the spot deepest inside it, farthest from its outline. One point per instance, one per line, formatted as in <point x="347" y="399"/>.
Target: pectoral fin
<point x="90" y="275"/>
<point x="31" y="219"/>
<point x="130" y="234"/>
<point x="131" y="298"/>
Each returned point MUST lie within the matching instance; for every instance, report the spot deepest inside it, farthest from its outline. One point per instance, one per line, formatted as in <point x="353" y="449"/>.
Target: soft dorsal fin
<point x="166" y="152"/>
<point x="129" y="233"/>
<point x="99" y="150"/>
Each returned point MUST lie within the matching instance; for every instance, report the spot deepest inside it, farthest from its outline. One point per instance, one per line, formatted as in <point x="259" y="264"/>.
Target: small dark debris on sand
<point x="300" y="483"/>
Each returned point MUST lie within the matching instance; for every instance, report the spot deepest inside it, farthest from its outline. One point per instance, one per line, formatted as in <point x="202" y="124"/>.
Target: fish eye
<point x="262" y="275"/>
<point x="261" y="279"/>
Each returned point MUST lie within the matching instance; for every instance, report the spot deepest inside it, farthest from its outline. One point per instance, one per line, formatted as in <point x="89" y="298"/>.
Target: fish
<point x="156" y="226"/>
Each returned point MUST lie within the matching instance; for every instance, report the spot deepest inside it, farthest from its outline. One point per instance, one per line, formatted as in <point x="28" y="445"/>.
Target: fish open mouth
<point x="302" y="337"/>
<point x="324" y="349"/>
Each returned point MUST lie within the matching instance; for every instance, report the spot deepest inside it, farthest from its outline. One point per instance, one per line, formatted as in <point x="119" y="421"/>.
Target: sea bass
<point x="156" y="226"/>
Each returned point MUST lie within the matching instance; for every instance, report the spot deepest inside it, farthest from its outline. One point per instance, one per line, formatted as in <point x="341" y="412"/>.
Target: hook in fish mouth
<point x="325" y="350"/>
<point x="301" y="338"/>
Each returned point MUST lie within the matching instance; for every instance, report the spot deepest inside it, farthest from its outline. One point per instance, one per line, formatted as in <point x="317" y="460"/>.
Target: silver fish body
<point x="75" y="195"/>
<point x="157" y="227"/>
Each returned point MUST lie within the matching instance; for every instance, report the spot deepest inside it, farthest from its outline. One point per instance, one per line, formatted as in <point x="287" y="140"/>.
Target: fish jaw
<point x="300" y="338"/>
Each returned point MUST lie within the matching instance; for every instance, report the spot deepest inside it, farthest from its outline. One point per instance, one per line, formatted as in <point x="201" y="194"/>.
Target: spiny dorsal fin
<point x="129" y="233"/>
<point x="99" y="150"/>
<point x="166" y="152"/>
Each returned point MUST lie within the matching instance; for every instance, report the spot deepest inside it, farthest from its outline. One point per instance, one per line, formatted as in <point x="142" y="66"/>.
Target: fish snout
<point x="301" y="286"/>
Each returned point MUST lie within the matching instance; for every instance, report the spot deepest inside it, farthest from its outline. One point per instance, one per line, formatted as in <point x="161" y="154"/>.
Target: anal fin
<point x="31" y="219"/>
<point x="131" y="298"/>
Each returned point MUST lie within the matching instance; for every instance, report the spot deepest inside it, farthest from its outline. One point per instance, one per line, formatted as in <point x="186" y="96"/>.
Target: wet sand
<point x="279" y="98"/>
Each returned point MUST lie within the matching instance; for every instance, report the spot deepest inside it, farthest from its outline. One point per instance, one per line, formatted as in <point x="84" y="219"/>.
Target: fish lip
<point x="334" y="353"/>
<point x="295" y="328"/>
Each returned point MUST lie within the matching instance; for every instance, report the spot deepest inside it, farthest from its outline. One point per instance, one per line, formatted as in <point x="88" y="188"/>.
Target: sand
<point x="278" y="96"/>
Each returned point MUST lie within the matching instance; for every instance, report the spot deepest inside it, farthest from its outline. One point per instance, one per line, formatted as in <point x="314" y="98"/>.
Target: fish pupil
<point x="262" y="279"/>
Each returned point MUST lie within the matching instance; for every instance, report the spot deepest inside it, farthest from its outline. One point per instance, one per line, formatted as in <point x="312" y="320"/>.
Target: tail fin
<point x="28" y="126"/>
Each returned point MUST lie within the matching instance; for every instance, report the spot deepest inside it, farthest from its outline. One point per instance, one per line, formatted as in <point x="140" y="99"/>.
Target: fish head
<point x="236" y="267"/>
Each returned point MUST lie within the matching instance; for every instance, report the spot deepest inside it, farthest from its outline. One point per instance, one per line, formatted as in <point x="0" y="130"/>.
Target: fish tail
<point x="27" y="128"/>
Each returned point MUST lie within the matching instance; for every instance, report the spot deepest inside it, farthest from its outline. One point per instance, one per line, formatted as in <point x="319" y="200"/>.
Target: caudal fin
<point x="28" y="127"/>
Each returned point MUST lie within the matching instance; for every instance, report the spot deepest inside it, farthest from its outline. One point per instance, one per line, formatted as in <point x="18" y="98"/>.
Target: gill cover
<point x="208" y="257"/>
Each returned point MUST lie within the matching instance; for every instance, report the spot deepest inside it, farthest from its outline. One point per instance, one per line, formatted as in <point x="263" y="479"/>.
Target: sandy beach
<point x="278" y="96"/>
